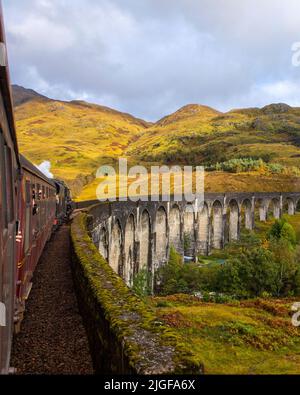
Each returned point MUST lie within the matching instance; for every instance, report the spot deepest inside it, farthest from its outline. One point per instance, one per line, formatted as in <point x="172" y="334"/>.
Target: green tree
<point x="281" y="229"/>
<point x="249" y="275"/>
<point x="286" y="267"/>
<point x="288" y="233"/>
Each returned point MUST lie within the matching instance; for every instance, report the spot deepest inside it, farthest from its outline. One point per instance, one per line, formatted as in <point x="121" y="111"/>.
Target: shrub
<point x="249" y="275"/>
<point x="175" y="258"/>
<point x="240" y="165"/>
<point x="258" y="270"/>
<point x="142" y="283"/>
<point x="178" y="277"/>
<point x="286" y="268"/>
<point x="282" y="230"/>
<point x="186" y="242"/>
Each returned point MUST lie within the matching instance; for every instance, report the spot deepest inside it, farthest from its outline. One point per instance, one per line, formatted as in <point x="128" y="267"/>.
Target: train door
<point x="27" y="237"/>
<point x="8" y="267"/>
<point x="27" y="215"/>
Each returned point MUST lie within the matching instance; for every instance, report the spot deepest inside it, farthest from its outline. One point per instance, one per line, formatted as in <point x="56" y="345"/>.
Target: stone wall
<point x="124" y="334"/>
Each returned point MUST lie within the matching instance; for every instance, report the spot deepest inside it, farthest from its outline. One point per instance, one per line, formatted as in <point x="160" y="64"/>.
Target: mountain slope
<point x="271" y="133"/>
<point x="78" y="137"/>
<point x="190" y="112"/>
<point x="22" y="95"/>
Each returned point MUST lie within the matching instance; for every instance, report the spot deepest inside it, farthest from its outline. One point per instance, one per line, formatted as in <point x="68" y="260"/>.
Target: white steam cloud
<point x="45" y="167"/>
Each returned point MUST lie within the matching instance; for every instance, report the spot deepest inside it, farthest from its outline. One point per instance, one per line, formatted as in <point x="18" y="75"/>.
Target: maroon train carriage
<point x="37" y="213"/>
<point x="30" y="204"/>
<point x="63" y="202"/>
<point x="9" y="179"/>
<point x="35" y="202"/>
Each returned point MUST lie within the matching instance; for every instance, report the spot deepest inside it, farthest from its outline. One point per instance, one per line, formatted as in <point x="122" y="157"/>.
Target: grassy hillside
<point x="220" y="181"/>
<point x="197" y="134"/>
<point x="77" y="137"/>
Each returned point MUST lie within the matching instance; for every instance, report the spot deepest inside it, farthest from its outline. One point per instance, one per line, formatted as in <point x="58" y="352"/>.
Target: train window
<point x="38" y="187"/>
<point x="34" y="198"/>
<point x="9" y="184"/>
<point x="3" y="183"/>
<point x="28" y="194"/>
<point x="33" y="192"/>
<point x="27" y="215"/>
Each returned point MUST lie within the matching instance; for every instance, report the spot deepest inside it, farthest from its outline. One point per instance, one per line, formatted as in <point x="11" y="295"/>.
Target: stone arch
<point x="233" y="221"/>
<point x="289" y="206"/>
<point x="129" y="243"/>
<point x="203" y="229"/>
<point x="217" y="225"/>
<point x="297" y="206"/>
<point x="103" y="244"/>
<point x="115" y="248"/>
<point x="246" y="213"/>
<point x="175" y="229"/>
<point x="261" y="210"/>
<point x="161" y="243"/>
<point x="145" y="234"/>
<point x="274" y="208"/>
<point x="189" y="230"/>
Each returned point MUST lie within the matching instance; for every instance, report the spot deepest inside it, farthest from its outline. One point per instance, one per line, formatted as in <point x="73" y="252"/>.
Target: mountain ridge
<point x="77" y="137"/>
<point x="22" y="95"/>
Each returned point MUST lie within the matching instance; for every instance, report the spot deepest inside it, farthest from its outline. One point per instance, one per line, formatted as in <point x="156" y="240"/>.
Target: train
<point x="32" y="207"/>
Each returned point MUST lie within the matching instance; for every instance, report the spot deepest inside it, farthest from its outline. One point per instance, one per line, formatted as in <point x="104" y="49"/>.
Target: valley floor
<point x="246" y="337"/>
<point x="254" y="336"/>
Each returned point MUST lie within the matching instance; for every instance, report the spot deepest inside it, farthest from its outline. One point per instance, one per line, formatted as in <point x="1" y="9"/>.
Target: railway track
<point x="52" y="338"/>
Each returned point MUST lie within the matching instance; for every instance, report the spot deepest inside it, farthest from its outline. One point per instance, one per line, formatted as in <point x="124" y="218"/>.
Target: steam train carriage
<point x="30" y="204"/>
<point x="9" y="191"/>
<point x="37" y="213"/>
<point x="63" y="201"/>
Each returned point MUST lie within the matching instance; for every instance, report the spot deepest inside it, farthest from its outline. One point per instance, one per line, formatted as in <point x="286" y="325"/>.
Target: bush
<point x="249" y="275"/>
<point x="251" y="164"/>
<point x="286" y="267"/>
<point x="178" y="277"/>
<point x="142" y="283"/>
<point x="238" y="165"/>
<point x="282" y="230"/>
<point x="257" y="271"/>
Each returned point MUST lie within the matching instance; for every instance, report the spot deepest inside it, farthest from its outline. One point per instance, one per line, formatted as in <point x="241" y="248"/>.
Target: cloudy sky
<point x="150" y="57"/>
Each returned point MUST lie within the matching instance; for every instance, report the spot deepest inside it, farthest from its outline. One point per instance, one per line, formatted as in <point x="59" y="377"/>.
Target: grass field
<point x="250" y="337"/>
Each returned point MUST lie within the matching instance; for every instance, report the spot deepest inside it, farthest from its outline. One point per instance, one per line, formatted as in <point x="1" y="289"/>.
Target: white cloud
<point x="150" y="57"/>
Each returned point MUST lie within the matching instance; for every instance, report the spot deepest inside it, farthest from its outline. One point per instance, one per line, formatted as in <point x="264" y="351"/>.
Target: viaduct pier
<point x="133" y="236"/>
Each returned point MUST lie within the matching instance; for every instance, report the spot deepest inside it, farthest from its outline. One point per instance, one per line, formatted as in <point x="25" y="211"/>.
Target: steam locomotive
<point x="31" y="207"/>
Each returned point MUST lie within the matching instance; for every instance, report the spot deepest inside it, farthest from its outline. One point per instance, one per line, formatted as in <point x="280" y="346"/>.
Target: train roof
<point x="31" y="168"/>
<point x="60" y="182"/>
<point x="5" y="85"/>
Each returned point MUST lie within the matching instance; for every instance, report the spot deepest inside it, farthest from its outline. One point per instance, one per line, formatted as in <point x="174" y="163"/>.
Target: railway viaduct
<point x="133" y="236"/>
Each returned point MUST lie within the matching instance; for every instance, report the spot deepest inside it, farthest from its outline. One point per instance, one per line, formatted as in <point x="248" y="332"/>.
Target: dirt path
<point x="52" y="338"/>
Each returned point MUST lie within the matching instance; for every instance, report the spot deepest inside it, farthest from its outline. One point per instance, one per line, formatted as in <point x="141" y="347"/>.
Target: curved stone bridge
<point x="135" y="236"/>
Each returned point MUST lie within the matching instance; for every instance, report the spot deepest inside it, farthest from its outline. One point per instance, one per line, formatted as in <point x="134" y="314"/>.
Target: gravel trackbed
<point x="52" y="338"/>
